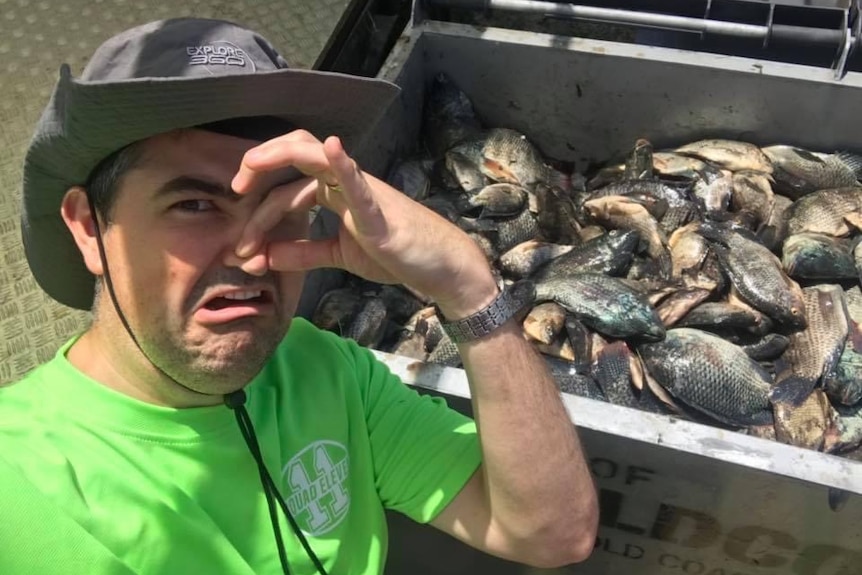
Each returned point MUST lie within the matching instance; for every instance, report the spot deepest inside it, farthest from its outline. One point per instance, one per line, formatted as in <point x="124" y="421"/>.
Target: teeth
<point x="242" y="295"/>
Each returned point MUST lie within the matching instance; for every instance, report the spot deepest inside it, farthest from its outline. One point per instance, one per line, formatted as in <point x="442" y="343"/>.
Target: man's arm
<point x="533" y="499"/>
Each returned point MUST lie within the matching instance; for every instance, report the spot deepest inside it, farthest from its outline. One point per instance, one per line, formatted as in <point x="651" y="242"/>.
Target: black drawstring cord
<point x="236" y="402"/>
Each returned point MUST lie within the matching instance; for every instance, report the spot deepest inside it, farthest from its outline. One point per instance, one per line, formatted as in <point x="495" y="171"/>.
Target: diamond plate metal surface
<point x="36" y="36"/>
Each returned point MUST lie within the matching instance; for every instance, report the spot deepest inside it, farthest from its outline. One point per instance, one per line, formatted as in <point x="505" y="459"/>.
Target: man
<point x="197" y="427"/>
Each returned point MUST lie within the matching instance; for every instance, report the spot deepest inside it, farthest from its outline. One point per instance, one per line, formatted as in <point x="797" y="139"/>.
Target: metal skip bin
<point x="676" y="497"/>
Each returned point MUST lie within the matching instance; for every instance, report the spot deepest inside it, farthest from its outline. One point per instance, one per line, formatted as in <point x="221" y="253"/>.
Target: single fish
<point x="843" y="384"/>
<point x="767" y="347"/>
<point x="445" y="353"/>
<point x="508" y="156"/>
<point x="610" y="253"/>
<point x="720" y="315"/>
<point x="675" y="195"/>
<point x="581" y="341"/>
<point x="570" y="381"/>
<point x="513" y="231"/>
<point x="688" y="249"/>
<point x="369" y="324"/>
<point x="410" y="344"/>
<point x="799" y="172"/>
<point x="714" y="197"/>
<point x="639" y="165"/>
<point x="804" y="425"/>
<point x="612" y="372"/>
<point x="679" y="304"/>
<point x="495" y="200"/>
<point x="619" y="212"/>
<point x="710" y="375"/>
<point x="462" y="162"/>
<point x="545" y="322"/>
<point x="773" y="232"/>
<point x="413" y="178"/>
<point x="336" y="309"/>
<point x="758" y="275"/>
<point x="449" y="116"/>
<point x="670" y="164"/>
<point x="524" y="259"/>
<point x="604" y="304"/>
<point x="559" y="348"/>
<point x="557" y="215"/>
<point x="815" y="350"/>
<point x="752" y="194"/>
<point x="817" y="256"/>
<point x="824" y="212"/>
<point x="729" y="154"/>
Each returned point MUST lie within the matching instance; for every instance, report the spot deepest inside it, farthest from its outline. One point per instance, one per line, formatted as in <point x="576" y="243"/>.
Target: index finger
<point x="299" y="150"/>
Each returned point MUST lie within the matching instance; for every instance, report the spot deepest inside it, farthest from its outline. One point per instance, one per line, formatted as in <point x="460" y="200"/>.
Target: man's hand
<point x="384" y="236"/>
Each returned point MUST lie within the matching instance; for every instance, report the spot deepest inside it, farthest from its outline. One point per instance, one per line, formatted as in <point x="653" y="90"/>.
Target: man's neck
<point x="113" y="360"/>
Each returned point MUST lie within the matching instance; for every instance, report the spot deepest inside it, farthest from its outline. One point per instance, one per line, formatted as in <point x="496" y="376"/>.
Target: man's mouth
<point x="233" y="305"/>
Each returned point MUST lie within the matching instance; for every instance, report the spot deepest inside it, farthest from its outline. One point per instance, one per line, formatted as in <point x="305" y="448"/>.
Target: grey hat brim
<point x="86" y="121"/>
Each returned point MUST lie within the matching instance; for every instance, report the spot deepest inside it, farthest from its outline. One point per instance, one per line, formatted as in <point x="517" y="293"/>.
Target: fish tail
<point x="852" y="161"/>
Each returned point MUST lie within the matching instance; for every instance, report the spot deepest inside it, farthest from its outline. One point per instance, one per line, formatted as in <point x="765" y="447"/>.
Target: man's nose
<point x="256" y="264"/>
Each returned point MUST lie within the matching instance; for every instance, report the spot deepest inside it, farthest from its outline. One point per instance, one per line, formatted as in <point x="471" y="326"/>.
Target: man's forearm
<point x="536" y="478"/>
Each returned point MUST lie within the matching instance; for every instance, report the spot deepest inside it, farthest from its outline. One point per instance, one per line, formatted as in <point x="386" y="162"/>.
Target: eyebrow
<point x="194" y="184"/>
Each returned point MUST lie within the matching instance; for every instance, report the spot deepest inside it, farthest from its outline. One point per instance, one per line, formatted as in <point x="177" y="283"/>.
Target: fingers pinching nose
<point x="256" y="265"/>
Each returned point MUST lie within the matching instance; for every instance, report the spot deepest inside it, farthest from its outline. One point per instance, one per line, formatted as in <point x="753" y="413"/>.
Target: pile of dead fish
<point x="717" y="281"/>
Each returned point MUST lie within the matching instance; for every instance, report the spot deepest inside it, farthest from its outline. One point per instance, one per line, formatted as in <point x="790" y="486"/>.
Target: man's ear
<point x="76" y="212"/>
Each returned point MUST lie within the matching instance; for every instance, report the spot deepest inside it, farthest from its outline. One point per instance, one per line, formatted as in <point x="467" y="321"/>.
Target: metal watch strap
<point x="507" y="303"/>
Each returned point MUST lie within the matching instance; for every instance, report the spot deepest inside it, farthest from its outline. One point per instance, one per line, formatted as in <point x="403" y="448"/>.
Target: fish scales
<point x="711" y="375"/>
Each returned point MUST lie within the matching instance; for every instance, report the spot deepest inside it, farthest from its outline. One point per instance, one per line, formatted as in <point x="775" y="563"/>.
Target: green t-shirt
<point x="93" y="481"/>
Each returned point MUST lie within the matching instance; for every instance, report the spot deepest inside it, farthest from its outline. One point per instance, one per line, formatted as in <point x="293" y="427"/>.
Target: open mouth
<point x="238" y="299"/>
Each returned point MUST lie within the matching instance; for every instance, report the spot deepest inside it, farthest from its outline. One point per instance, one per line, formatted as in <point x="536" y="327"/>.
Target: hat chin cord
<point x="236" y="402"/>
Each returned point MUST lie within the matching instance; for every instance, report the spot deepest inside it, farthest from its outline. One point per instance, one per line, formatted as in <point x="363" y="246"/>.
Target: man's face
<point x="170" y="251"/>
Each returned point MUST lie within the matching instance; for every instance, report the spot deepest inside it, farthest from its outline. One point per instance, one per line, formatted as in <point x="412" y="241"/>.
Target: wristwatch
<point x="509" y="302"/>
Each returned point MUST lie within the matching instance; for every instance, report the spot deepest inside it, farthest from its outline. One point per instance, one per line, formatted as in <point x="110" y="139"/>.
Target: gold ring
<point x="335" y="187"/>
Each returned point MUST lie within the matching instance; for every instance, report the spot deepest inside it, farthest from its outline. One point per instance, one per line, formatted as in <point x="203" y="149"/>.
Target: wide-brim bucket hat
<point x="156" y="78"/>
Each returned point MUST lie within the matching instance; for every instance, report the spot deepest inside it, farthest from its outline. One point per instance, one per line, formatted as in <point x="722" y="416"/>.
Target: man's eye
<point x="194" y="206"/>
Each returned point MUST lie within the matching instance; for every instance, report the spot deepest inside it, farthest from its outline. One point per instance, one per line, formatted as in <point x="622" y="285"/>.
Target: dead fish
<point x="766" y="348"/>
<point x="495" y="200"/>
<point x="413" y="178"/>
<point x="604" y="304"/>
<point x="824" y="212"/>
<point x="678" y="216"/>
<point x="610" y="253"/>
<point x="368" y="325"/>
<point x="799" y="172"/>
<point x="613" y="373"/>
<point x="336" y="309"/>
<point x="817" y="256"/>
<point x="513" y="231"/>
<point x="639" y="164"/>
<point x="688" y="249"/>
<point x="581" y="341"/>
<point x="410" y="344"/>
<point x="445" y="353"/>
<point x="400" y="303"/>
<point x="674" y="195"/>
<point x="559" y="348"/>
<point x="758" y="275"/>
<point x="678" y="304"/>
<point x="588" y="233"/>
<point x="714" y="197"/>
<point x="463" y="163"/>
<point x="711" y="375"/>
<point x="843" y="384"/>
<point x="508" y="156"/>
<point x="845" y="435"/>
<point x="449" y="116"/>
<point x="569" y="380"/>
<point x="721" y="315"/>
<point x="729" y="154"/>
<point x="557" y="215"/>
<point x="773" y="232"/>
<point x="752" y="194"/>
<point x="815" y="350"/>
<point x="804" y="425"/>
<point x="545" y="322"/>
<point x="524" y="259"/>
<point x="619" y="212"/>
<point x="670" y="164"/>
